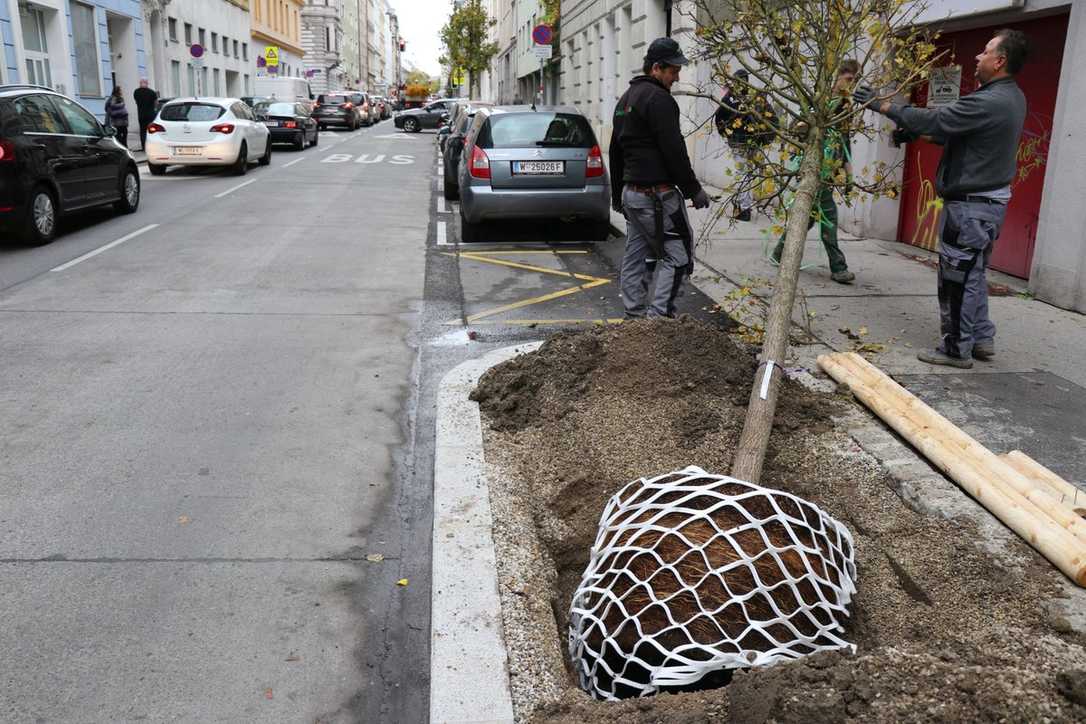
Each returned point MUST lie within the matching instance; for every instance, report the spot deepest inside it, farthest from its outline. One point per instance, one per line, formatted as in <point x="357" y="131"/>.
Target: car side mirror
<point x="109" y="131"/>
<point x="444" y="117"/>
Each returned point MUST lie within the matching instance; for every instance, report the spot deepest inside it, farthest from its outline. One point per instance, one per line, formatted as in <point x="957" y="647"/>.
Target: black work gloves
<point x="701" y="199"/>
<point x="864" y="97"/>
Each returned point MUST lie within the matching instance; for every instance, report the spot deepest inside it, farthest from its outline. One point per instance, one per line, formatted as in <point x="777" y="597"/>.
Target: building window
<point x="175" y="77"/>
<point x="225" y="45"/>
<point x="191" y="79"/>
<point x="203" y="81"/>
<point x="246" y="88"/>
<point x="236" y="55"/>
<point x="244" y="51"/>
<point x="214" y="42"/>
<point x="188" y="33"/>
<point x="35" y="46"/>
<point x="203" y="38"/>
<point x="171" y="24"/>
<point x="327" y="38"/>
<point x="85" y="39"/>
<point x="217" y="82"/>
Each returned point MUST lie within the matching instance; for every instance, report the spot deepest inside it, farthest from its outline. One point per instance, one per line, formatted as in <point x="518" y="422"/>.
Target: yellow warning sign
<point x="271" y="55"/>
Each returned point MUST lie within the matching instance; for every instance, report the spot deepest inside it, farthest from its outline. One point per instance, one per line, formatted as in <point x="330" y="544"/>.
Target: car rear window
<point x="336" y="100"/>
<point x="532" y="129"/>
<point x="276" y="109"/>
<point x="191" y="112"/>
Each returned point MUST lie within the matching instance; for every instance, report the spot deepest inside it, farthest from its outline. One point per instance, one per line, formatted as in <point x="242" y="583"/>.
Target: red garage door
<point x="1039" y="80"/>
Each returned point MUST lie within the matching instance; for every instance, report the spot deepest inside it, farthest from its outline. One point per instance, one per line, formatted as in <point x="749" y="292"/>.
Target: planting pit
<point x="944" y="628"/>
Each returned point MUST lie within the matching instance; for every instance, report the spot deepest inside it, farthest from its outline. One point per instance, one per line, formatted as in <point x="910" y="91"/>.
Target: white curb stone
<point x="469" y="670"/>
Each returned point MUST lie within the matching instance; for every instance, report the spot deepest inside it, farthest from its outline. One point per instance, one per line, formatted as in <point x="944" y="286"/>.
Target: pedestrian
<point x="117" y="115"/>
<point x="836" y="155"/>
<point x="651" y="175"/>
<point x="146" y="102"/>
<point x="979" y="133"/>
<point x="745" y="120"/>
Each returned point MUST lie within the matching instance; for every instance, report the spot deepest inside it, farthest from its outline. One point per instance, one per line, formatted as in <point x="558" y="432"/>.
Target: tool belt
<point x="651" y="190"/>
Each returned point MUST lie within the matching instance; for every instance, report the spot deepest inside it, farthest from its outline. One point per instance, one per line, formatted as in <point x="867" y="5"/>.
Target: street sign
<point x="196" y="50"/>
<point x="197" y="63"/>
<point x="543" y="52"/>
<point x="260" y="62"/>
<point x="543" y="34"/>
<point x="944" y="85"/>
<point x="271" y="55"/>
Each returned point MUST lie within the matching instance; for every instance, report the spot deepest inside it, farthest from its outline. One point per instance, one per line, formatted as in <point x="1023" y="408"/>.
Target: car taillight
<point x="290" y="124"/>
<point x="226" y="128"/>
<point x="7" y="151"/>
<point x="594" y="165"/>
<point x="480" y="164"/>
<point x="155" y="128"/>
<point x="348" y="105"/>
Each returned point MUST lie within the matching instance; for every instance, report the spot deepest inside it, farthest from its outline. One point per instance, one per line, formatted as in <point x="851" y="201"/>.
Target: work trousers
<point x="143" y="132"/>
<point x="639" y="262"/>
<point x="967" y="236"/>
<point x="744" y="166"/>
<point x="824" y="214"/>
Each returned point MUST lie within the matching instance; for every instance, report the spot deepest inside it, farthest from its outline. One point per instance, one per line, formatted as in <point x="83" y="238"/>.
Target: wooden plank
<point x="1064" y="491"/>
<point x="963" y="459"/>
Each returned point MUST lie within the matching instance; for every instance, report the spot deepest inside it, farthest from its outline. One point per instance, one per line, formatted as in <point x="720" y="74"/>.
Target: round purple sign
<point x="542" y="34"/>
<point x="196" y="50"/>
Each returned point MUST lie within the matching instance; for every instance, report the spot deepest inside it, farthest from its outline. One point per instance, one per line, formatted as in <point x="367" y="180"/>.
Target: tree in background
<point x="464" y="38"/>
<point x="791" y="52"/>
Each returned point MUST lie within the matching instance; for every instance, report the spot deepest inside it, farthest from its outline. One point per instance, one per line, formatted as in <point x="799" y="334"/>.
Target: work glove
<point x="701" y="199"/>
<point x="900" y="137"/>
<point x="864" y="97"/>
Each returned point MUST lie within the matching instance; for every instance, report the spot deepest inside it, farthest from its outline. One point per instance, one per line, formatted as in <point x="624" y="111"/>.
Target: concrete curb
<point x="469" y="668"/>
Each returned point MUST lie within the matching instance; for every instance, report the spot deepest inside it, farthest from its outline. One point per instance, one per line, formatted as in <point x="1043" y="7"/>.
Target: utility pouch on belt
<point x="657" y="241"/>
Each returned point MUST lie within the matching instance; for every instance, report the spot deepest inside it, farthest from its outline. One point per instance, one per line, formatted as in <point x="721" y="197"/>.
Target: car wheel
<point x="321" y="127"/>
<point x="130" y="192"/>
<point x="241" y="166"/>
<point x="599" y="231"/>
<point x="452" y="191"/>
<point x="411" y="125"/>
<point x="41" y="217"/>
<point x="156" y="169"/>
<point x="266" y="158"/>
<point x="469" y="232"/>
<point x="299" y="142"/>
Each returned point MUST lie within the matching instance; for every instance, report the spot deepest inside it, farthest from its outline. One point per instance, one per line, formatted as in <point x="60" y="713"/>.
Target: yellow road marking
<point x="527" y="267"/>
<point x="537" y="300"/>
<point x="526" y="251"/>
<point x="549" y="321"/>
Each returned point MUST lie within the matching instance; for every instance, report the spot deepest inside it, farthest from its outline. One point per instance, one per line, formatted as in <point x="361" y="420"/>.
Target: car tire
<point x="265" y="160"/>
<point x="156" y="169"/>
<point x="299" y="144"/>
<point x="469" y="232"/>
<point x="130" y="192"/>
<point x="321" y="127"/>
<point x="40" y="226"/>
<point x="451" y="190"/>
<point x="411" y="125"/>
<point x="599" y="231"/>
<point x="241" y="166"/>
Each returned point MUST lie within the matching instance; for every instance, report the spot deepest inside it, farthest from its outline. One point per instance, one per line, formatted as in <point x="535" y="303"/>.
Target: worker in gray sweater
<point x="979" y="133"/>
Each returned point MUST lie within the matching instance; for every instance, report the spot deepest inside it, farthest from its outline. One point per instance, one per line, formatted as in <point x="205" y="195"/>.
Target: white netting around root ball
<point x="693" y="573"/>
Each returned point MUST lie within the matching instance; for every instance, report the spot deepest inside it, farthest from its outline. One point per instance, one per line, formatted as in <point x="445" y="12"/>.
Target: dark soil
<point x="944" y="631"/>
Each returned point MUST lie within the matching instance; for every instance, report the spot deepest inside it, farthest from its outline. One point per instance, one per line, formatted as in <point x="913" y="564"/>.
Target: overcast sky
<point x="420" y="26"/>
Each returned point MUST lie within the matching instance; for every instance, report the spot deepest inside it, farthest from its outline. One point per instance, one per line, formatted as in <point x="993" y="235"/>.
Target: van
<point x="283" y="89"/>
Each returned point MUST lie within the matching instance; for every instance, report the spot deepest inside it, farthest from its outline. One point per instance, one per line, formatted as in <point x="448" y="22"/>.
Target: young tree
<point x="791" y="52"/>
<point x="465" y="39"/>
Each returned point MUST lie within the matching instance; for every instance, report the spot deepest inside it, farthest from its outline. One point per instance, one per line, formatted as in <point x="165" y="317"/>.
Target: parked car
<point x="367" y="114"/>
<point x="337" y="109"/>
<point x="55" y="158"/>
<point x="288" y="123"/>
<point x="454" y="145"/>
<point x="429" y="116"/>
<point x="254" y="101"/>
<point x="207" y="132"/>
<point x="541" y="163"/>
<point x="384" y="107"/>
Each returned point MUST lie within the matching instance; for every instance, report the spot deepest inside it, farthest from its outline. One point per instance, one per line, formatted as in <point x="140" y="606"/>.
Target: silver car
<point x="538" y="164"/>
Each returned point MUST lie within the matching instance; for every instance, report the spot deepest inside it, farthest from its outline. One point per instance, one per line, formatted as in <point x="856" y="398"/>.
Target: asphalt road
<point x="204" y="432"/>
<point x="216" y="436"/>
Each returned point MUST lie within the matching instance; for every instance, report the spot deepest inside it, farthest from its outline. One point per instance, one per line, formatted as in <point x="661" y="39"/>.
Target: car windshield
<point x="525" y="130"/>
<point x="191" y="112"/>
<point x="275" y="109"/>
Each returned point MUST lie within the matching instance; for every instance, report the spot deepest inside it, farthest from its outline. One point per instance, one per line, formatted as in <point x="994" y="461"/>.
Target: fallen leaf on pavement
<point x="184" y="519"/>
<point x="268" y="694"/>
<point x="375" y="557"/>
<point x="292" y="657"/>
<point x="401" y="582"/>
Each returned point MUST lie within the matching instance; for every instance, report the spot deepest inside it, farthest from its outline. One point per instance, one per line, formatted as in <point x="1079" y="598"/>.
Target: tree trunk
<point x="750" y="455"/>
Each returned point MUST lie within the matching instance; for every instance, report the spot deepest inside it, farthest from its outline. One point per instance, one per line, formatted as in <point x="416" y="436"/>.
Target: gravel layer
<point x="944" y="630"/>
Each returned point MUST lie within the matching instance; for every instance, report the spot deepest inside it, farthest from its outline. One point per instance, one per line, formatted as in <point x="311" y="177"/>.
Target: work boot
<point x="984" y="350"/>
<point x="743" y="215"/>
<point x="935" y="357"/>
<point x="843" y="277"/>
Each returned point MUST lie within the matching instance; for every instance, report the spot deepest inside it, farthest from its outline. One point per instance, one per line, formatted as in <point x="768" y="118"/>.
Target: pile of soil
<point x="944" y="630"/>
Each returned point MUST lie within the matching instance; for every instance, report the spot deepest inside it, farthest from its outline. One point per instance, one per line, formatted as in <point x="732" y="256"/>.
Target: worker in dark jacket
<point x="980" y="134"/>
<point x="648" y="154"/>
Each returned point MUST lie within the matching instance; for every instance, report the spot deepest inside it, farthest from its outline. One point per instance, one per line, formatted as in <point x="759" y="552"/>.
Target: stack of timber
<point x="1038" y="505"/>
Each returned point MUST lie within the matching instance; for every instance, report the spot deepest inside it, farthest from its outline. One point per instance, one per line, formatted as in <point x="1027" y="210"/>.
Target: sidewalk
<point x="1032" y="396"/>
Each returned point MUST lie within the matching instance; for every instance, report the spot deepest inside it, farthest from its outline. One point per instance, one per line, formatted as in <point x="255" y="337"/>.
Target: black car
<point x="336" y="109"/>
<point x="288" y="123"/>
<point x="454" y="145"/>
<point x="55" y="157"/>
<point x="429" y="116"/>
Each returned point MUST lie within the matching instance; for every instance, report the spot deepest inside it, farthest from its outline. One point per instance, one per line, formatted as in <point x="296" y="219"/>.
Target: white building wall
<point x="212" y="16"/>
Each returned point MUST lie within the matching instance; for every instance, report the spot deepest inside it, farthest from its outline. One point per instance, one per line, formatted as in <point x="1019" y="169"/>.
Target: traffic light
<point x="403" y="44"/>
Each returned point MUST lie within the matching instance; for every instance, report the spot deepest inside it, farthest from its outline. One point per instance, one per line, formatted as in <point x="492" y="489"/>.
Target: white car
<point x="206" y="132"/>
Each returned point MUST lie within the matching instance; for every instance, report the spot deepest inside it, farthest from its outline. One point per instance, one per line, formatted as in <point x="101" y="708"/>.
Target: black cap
<point x="666" y="52"/>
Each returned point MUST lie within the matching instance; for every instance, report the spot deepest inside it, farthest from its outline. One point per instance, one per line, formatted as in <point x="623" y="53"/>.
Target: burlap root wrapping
<point x="693" y="573"/>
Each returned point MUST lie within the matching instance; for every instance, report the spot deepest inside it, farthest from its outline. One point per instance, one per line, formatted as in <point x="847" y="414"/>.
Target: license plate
<point x="271" y="124"/>
<point x="188" y="150"/>
<point x="539" y="168"/>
